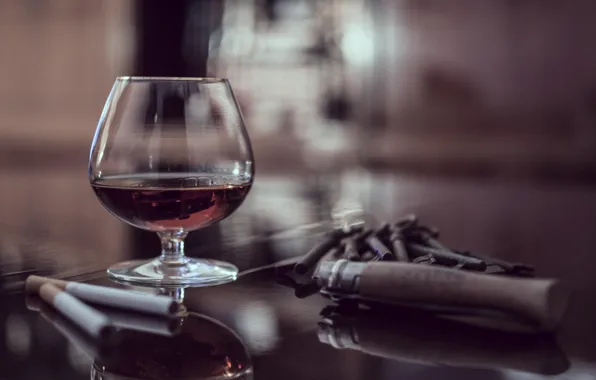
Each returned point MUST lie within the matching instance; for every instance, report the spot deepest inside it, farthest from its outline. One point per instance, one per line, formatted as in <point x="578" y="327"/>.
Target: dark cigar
<point x="368" y="256"/>
<point x="333" y="254"/>
<point x="543" y="301"/>
<point x="351" y="249"/>
<point x="307" y="290"/>
<point x="428" y="236"/>
<point x="384" y="230"/>
<point x="286" y="280"/>
<point x="112" y="297"/>
<point x="381" y="251"/>
<point x="399" y="248"/>
<point x="513" y="268"/>
<point x="309" y="260"/>
<point x="448" y="257"/>
<point x="407" y="222"/>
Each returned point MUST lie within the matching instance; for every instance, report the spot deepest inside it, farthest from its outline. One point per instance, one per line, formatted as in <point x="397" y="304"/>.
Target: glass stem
<point x="172" y="247"/>
<point x="175" y="293"/>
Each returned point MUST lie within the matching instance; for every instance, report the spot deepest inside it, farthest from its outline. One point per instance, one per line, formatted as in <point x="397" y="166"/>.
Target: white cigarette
<point x="102" y="295"/>
<point x="94" y="323"/>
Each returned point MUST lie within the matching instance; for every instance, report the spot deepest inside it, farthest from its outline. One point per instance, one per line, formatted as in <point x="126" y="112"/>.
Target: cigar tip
<point x="307" y="290"/>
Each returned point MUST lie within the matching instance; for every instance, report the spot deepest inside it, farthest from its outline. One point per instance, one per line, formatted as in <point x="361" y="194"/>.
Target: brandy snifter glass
<point x="171" y="155"/>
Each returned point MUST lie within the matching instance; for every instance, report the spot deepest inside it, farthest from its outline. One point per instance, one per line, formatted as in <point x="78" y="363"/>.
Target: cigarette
<point x="118" y="318"/>
<point x="112" y="297"/>
<point x="94" y="323"/>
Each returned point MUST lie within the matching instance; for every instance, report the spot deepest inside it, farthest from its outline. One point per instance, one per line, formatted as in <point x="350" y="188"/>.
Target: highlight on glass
<point x="171" y="155"/>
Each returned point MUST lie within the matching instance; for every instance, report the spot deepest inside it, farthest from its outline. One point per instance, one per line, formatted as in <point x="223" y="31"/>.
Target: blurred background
<point x="332" y="91"/>
<point x="480" y="116"/>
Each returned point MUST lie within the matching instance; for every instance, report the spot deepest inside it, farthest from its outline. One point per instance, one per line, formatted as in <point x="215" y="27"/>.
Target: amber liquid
<point x="169" y="203"/>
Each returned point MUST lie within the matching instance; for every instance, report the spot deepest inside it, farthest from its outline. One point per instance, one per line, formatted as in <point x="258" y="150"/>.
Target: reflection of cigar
<point x="94" y="323"/>
<point x="124" y="299"/>
<point x="424" y="338"/>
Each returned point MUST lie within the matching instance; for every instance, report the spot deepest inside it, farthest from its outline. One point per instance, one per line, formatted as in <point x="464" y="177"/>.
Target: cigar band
<point x="335" y="275"/>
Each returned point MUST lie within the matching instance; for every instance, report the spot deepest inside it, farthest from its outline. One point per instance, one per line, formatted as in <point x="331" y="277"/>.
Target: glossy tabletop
<point x="257" y="328"/>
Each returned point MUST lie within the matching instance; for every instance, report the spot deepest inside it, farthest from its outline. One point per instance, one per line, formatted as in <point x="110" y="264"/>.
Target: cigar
<point x="368" y="256"/>
<point x="543" y="301"/>
<point x="381" y="251"/>
<point x="94" y="323"/>
<point x="112" y="297"/>
<point x="351" y="249"/>
<point x="448" y="257"/>
<point x="399" y="247"/>
<point x="384" y="230"/>
<point x="313" y="256"/>
<point x="307" y="290"/>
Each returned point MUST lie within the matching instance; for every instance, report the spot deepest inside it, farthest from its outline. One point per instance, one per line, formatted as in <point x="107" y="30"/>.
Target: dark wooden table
<point x="262" y="326"/>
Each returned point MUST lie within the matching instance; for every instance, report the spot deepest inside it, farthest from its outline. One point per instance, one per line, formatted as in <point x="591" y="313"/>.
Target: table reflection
<point x="198" y="348"/>
<point x="408" y="335"/>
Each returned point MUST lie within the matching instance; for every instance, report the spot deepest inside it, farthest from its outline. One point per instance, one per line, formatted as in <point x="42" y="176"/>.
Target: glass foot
<point x="186" y="272"/>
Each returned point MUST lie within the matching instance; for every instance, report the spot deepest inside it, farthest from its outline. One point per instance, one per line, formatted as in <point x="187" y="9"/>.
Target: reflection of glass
<point x="204" y="349"/>
<point x="200" y="348"/>
<point x="171" y="155"/>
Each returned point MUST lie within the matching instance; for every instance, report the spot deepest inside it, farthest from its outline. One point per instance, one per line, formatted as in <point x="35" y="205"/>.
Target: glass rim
<point x="172" y="79"/>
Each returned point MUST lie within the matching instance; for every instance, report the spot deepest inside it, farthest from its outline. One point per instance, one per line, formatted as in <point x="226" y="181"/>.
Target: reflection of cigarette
<point x="142" y="322"/>
<point x="124" y="299"/>
<point x="94" y="323"/>
<point x="118" y="318"/>
<point x="90" y="348"/>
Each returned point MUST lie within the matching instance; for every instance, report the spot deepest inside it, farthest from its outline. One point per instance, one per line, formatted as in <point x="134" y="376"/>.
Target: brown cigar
<point x="543" y="301"/>
<point x="312" y="257"/>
